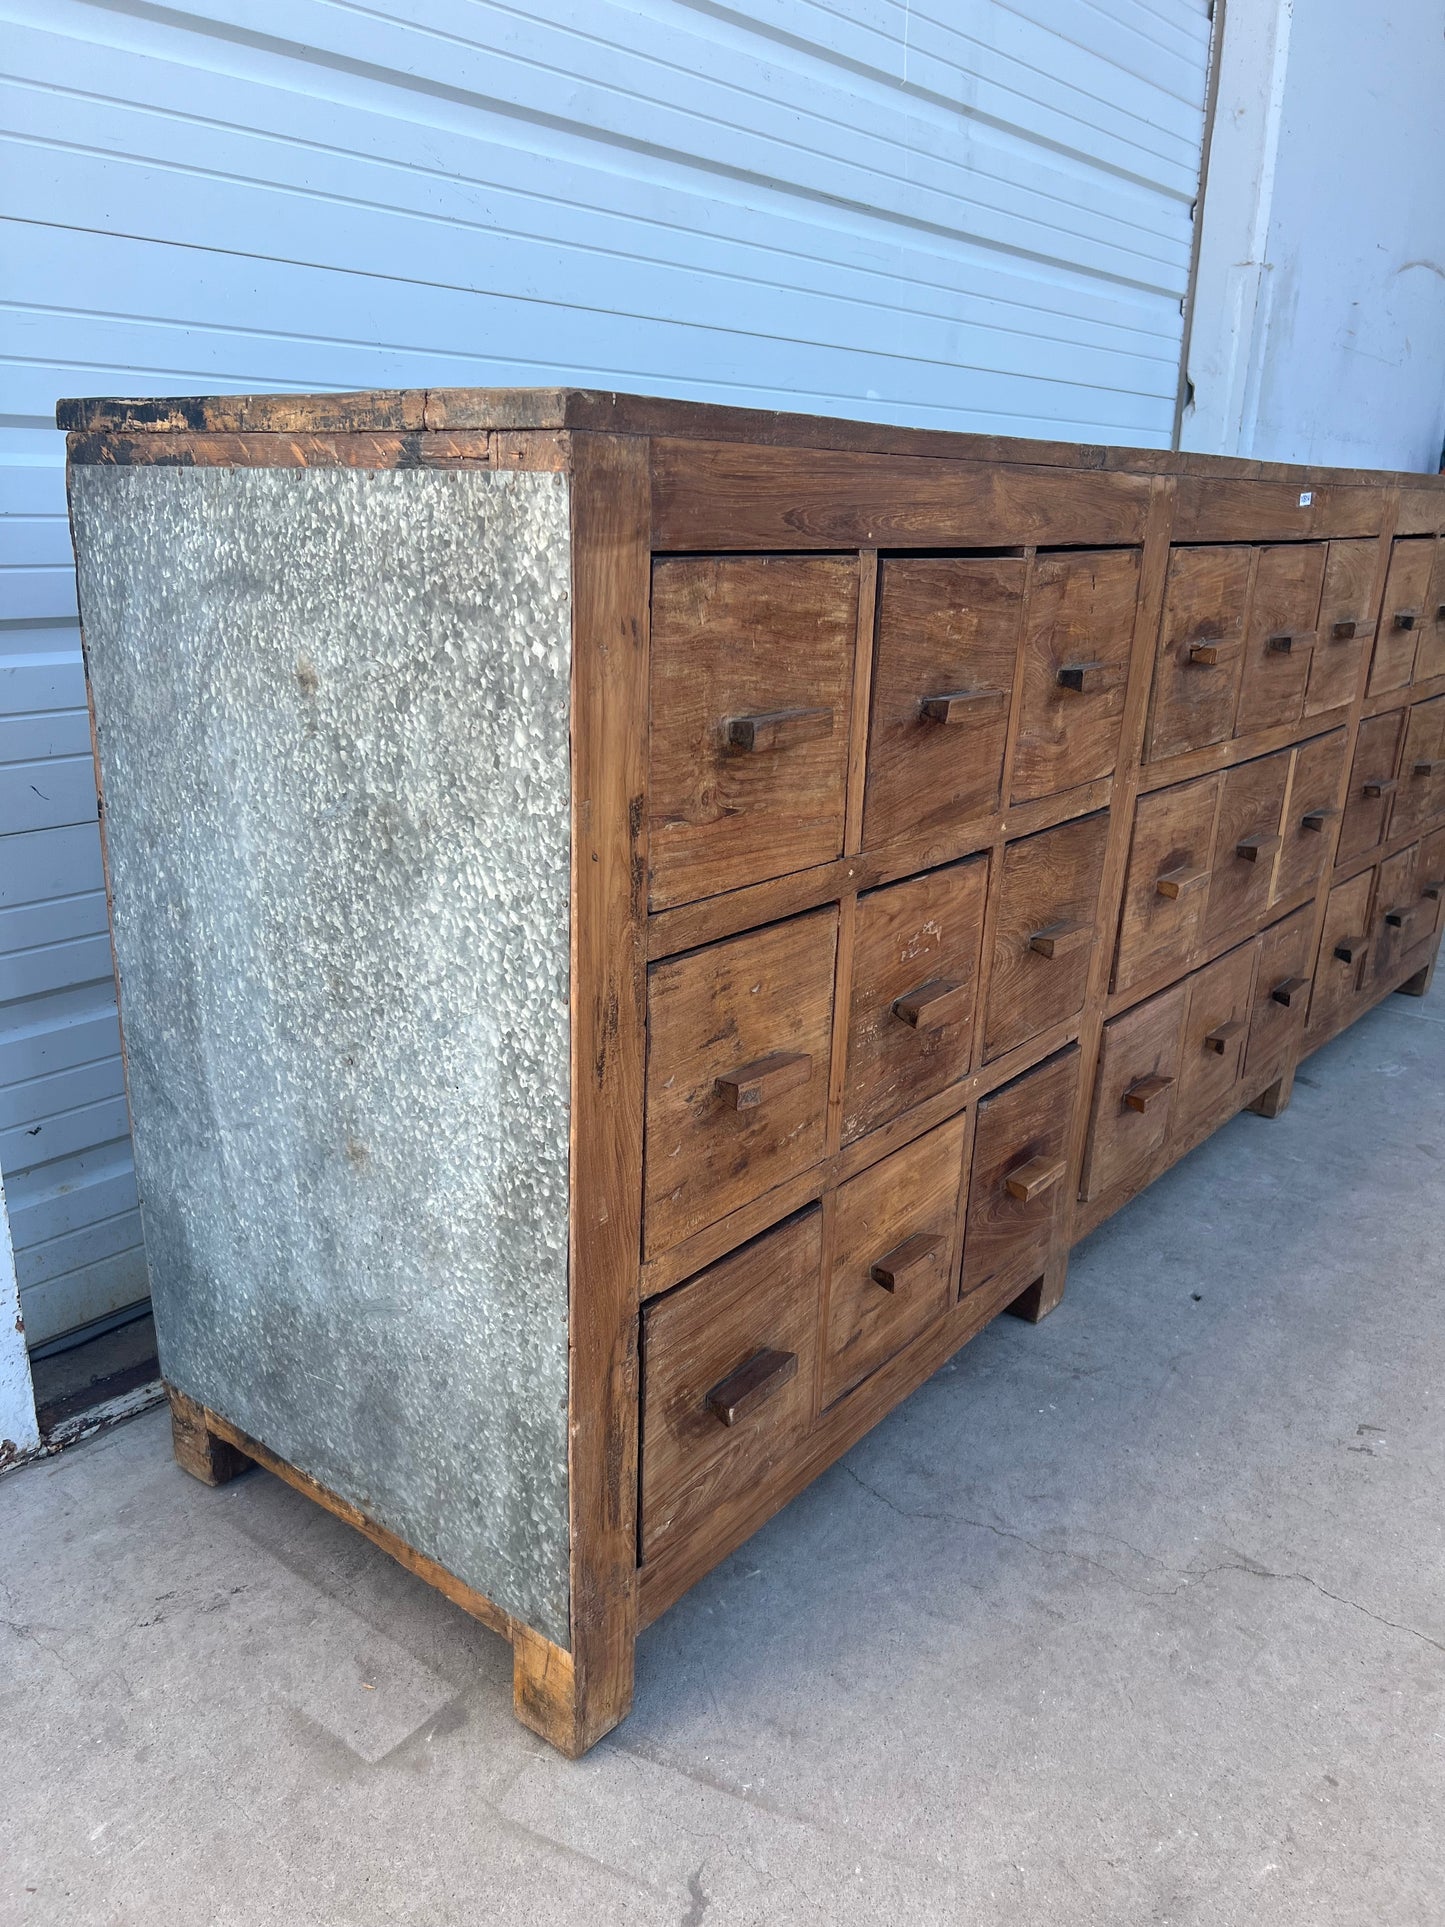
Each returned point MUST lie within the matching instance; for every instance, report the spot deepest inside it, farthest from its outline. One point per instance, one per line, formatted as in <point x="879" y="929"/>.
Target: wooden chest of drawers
<point x="642" y="927"/>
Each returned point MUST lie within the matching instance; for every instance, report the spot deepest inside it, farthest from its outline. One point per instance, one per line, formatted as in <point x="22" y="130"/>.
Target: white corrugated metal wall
<point x="969" y="217"/>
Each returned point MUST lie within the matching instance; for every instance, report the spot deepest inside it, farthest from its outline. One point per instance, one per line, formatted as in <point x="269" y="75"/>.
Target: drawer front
<point x="1412" y="563"/>
<point x="1430" y="650"/>
<point x="1346" y="626"/>
<point x="1216" y="1031"/>
<point x="916" y="954"/>
<point x="1077" y="636"/>
<point x="1344" y="946"/>
<point x="1044" y="932"/>
<point x="1400" y="917"/>
<point x="1018" y="1191"/>
<point x="1420" y="795"/>
<point x="1201" y="657"/>
<point x="737" y="1071"/>
<point x="895" y="1255"/>
<point x="1247" y="842"/>
<point x="728" y="1364"/>
<point x="1370" y="799"/>
<point x="1168" y="879"/>
<point x="1431" y="876"/>
<point x="752" y="675"/>
<point x="948" y="633"/>
<point x="1280" y="635"/>
<point x="1281" y="990"/>
<point x="1312" y="814"/>
<point x="1135" y="1090"/>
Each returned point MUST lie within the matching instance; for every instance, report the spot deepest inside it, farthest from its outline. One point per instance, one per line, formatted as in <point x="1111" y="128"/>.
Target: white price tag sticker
<point x="1306" y="497"/>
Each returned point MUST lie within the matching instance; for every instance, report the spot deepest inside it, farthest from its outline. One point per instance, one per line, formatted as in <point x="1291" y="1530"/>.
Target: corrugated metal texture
<point x="950" y="217"/>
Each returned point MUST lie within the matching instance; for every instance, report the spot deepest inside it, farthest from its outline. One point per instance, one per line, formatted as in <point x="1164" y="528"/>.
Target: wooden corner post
<point x="573" y="1698"/>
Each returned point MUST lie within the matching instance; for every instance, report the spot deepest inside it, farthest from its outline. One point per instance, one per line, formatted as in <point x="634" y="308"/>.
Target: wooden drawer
<point x="728" y="1364"/>
<point x="1412" y="562"/>
<point x="1420" y="794"/>
<point x="1430" y="649"/>
<point x="737" y="1071"/>
<point x="1216" y="1030"/>
<point x="948" y="633"/>
<point x="1431" y="874"/>
<point x="1370" y="798"/>
<point x="1134" y="1090"/>
<point x="1200" y="658"/>
<point x="1346" y="625"/>
<point x="1045" y="929"/>
<point x="1077" y="636"/>
<point x="1281" y="990"/>
<point x="1344" y="946"/>
<point x="752" y="675"/>
<point x="1247" y="842"/>
<point x="1280" y="635"/>
<point x="1167" y="884"/>
<point x="895" y="1255"/>
<point x="1312" y="813"/>
<point x="1018" y="1192"/>
<point x="1400" y="916"/>
<point x="916" y="955"/>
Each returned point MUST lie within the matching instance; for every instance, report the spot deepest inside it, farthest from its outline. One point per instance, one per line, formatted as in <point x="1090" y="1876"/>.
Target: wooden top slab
<point x="421" y="411"/>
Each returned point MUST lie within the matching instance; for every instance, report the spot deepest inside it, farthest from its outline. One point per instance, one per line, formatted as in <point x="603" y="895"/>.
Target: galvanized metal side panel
<point x="333" y="726"/>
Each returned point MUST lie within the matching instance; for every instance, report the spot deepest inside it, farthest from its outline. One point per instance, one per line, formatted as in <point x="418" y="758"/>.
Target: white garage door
<point x="969" y="216"/>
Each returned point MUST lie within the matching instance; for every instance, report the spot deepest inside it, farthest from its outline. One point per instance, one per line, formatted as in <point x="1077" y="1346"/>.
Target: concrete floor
<point x="1136" y="1617"/>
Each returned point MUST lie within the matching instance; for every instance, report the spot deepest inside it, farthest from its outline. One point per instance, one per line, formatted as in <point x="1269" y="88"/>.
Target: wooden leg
<point x="1417" y="985"/>
<point x="198" y="1450"/>
<point x="1044" y="1293"/>
<point x="558" y="1698"/>
<point x="1271" y="1102"/>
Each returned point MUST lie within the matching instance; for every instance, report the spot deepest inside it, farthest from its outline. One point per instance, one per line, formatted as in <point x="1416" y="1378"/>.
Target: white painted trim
<point x="19" y="1434"/>
<point x="1223" y="358"/>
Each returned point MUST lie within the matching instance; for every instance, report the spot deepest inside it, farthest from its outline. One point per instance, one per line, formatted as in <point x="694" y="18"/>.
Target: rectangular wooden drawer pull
<point x="1377" y="786"/>
<point x="961" y="705"/>
<point x="1433" y="888"/>
<point x="933" y="1005"/>
<point x="1402" y="915"/>
<point x="905" y="1261"/>
<point x="1406" y="618"/>
<point x="1427" y="765"/>
<point x="1287" y="642"/>
<point x="1031" y="1180"/>
<point x="1344" y="631"/>
<point x="1089" y="678"/>
<point x="1317" y="819"/>
<point x="1440" y="613"/>
<point x="1290" y="991"/>
<point x="1206" y="653"/>
<point x="1146" y="1091"/>
<point x="1253" y="848"/>
<point x="766" y="1077"/>
<point x="777" y="729"/>
<point x="1223" y="1035"/>
<point x="1179" y="883"/>
<point x="1060" y="939"/>
<point x="1348" y="948"/>
<point x="745" y="1389"/>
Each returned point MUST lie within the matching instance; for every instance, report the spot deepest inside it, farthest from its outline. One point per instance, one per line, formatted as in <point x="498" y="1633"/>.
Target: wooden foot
<point x="1417" y="985"/>
<point x="558" y="1699"/>
<point x="1276" y="1099"/>
<point x="198" y="1450"/>
<point x="1044" y="1293"/>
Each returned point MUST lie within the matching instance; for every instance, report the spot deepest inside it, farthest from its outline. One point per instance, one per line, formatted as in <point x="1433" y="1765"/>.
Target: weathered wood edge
<point x="426" y="411"/>
<point x="573" y="1699"/>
